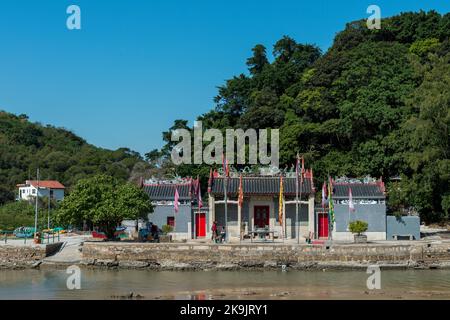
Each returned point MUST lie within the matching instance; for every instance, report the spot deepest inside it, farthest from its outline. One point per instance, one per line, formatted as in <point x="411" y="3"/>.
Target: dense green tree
<point x="376" y="103"/>
<point x="16" y="214"/>
<point x="258" y="61"/>
<point x="103" y="201"/>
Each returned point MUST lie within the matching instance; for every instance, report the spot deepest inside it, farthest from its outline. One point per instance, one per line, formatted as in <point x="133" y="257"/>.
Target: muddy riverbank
<point x="213" y="285"/>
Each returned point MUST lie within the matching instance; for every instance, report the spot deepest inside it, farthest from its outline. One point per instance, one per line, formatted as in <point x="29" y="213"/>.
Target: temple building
<point x="369" y="200"/>
<point x="189" y="222"/>
<point x="253" y="208"/>
<point x="260" y="206"/>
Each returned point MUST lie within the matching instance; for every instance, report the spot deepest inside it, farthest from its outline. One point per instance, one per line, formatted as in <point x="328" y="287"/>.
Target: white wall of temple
<point x="348" y="236"/>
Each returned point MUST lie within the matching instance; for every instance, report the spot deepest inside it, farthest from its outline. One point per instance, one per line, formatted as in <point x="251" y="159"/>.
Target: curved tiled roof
<point x="260" y="186"/>
<point x="167" y="191"/>
<point x="359" y="190"/>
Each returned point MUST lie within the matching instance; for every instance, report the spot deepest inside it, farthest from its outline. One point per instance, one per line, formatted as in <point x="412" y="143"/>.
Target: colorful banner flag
<point x="351" y="205"/>
<point x="199" y="200"/>
<point x="303" y="166"/>
<point x="226" y="170"/>
<point x="330" y="204"/>
<point x="280" y="202"/>
<point x="241" y="193"/>
<point x="176" y="202"/>
<point x="324" y="195"/>
<point x="211" y="180"/>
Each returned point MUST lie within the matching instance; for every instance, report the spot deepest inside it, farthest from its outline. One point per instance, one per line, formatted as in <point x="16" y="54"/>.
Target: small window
<point x="34" y="191"/>
<point x="171" y="221"/>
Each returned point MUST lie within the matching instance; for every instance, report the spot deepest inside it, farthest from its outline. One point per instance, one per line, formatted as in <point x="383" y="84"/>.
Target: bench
<point x="403" y="236"/>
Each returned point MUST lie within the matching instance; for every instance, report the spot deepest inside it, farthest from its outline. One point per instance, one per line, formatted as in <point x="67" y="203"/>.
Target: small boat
<point x="24" y="232"/>
<point x="98" y="235"/>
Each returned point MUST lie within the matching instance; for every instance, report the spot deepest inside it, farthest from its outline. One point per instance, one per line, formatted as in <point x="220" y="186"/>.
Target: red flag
<point x="226" y="170"/>
<point x="176" y="201"/>
<point x="199" y="194"/>
<point x="210" y="181"/>
<point x="303" y="165"/>
<point x="196" y="187"/>
<point x="191" y="187"/>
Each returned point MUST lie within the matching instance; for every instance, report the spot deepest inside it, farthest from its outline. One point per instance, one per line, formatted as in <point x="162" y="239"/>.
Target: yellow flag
<point x="280" y="204"/>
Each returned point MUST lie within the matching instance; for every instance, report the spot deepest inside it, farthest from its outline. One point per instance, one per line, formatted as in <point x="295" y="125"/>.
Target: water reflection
<point x="207" y="285"/>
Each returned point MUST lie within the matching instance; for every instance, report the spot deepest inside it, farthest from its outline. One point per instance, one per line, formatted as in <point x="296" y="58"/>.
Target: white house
<point x="30" y="188"/>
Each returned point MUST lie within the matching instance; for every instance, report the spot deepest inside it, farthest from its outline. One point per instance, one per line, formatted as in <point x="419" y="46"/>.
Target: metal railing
<point x="5" y="235"/>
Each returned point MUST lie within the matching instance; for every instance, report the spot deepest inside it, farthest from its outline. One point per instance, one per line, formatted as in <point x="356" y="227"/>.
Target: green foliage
<point x="358" y="227"/>
<point x="166" y="229"/>
<point x="60" y="155"/>
<point x="16" y="214"/>
<point x="423" y="47"/>
<point x="103" y="201"/>
<point x="377" y="102"/>
<point x="6" y="195"/>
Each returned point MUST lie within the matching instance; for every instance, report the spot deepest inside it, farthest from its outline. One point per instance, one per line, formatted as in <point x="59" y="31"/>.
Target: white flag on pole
<point x="351" y="205"/>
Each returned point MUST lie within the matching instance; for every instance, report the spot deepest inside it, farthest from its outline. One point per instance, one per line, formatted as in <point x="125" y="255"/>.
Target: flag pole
<point x="36" y="208"/>
<point x="226" y="206"/>
<point x="301" y="186"/>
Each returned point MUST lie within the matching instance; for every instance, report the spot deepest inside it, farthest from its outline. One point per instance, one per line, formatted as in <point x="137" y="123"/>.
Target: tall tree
<point x="103" y="201"/>
<point x="258" y="61"/>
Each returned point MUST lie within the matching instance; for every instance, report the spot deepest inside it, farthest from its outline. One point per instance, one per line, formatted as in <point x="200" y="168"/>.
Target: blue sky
<point x="138" y="65"/>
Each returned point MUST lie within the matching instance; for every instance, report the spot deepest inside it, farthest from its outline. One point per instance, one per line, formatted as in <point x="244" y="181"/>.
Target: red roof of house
<point x="50" y="184"/>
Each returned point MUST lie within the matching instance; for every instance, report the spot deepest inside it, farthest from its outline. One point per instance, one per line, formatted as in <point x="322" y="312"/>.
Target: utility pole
<point x="49" y="201"/>
<point x="36" y="208"/>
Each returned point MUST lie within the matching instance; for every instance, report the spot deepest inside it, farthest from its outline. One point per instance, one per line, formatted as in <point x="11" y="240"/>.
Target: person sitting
<point x="223" y="235"/>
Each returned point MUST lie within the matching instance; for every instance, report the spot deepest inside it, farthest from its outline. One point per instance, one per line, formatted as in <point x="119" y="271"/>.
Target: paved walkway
<point x="70" y="252"/>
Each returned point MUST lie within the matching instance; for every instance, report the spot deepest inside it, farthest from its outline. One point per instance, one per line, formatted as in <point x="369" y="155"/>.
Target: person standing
<point x="214" y="231"/>
<point x="223" y="235"/>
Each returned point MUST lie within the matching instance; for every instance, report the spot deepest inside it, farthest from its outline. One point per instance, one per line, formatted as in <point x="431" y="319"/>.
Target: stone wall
<point x="21" y="256"/>
<point x="267" y="256"/>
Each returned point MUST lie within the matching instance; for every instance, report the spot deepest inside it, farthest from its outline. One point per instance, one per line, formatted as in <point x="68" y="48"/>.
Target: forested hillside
<point x="60" y="155"/>
<point x="377" y="102"/>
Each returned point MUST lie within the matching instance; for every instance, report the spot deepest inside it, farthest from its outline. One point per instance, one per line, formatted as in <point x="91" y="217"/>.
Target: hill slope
<point x="60" y="155"/>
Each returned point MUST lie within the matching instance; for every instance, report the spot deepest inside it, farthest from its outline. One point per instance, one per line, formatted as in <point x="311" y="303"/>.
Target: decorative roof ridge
<point x="166" y="184"/>
<point x="356" y="183"/>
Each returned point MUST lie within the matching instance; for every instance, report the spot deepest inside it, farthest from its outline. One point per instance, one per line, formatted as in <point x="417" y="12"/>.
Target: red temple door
<point x="323" y="225"/>
<point x="200" y="225"/>
<point x="261" y="216"/>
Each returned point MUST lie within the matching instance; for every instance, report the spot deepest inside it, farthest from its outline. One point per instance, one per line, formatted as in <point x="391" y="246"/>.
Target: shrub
<point x="358" y="226"/>
<point x="167" y="229"/>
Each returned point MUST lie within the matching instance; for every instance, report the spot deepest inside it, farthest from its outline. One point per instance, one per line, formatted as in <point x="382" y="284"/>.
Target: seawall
<point x="19" y="257"/>
<point x="173" y="256"/>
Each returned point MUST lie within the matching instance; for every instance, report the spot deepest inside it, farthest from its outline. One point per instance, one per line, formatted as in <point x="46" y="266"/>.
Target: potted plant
<point x="166" y="229"/>
<point x="358" y="227"/>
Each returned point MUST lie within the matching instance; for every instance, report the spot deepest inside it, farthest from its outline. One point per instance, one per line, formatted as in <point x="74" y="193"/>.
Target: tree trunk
<point x="110" y="230"/>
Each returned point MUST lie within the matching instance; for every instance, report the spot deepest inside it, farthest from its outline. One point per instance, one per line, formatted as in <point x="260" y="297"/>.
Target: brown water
<point x="101" y="284"/>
